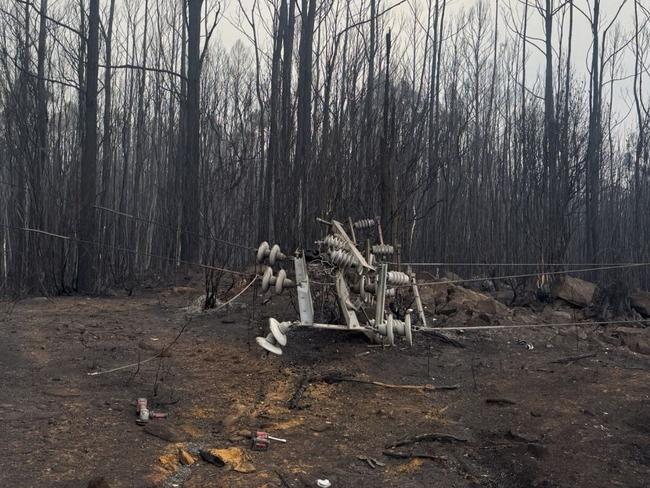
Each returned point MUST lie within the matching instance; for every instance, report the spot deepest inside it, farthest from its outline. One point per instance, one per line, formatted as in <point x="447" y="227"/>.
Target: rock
<point x="574" y="291"/>
<point x="490" y="306"/>
<point x="235" y="458"/>
<point x="98" y="482"/>
<point x="550" y="314"/>
<point x="447" y="311"/>
<point x="470" y="300"/>
<point x="640" y="301"/>
<point x="504" y="296"/>
<point x="165" y="432"/>
<point x="636" y="339"/>
<point x="208" y="457"/>
<point x="185" y="458"/>
<point x="169" y="462"/>
<point x="573" y="331"/>
<point x="435" y="294"/>
<point x="451" y="276"/>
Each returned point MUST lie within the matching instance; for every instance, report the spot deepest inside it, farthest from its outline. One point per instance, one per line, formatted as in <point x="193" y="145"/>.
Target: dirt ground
<point x="520" y="419"/>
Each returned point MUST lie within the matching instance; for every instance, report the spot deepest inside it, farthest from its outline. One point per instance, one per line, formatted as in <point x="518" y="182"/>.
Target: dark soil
<point x="527" y="421"/>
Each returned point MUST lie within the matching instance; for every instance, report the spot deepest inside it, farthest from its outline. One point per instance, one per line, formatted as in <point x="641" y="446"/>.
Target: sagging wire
<point x="530" y="326"/>
<point x="506" y="265"/>
<point x="169" y="346"/>
<point x="126" y="250"/>
<point x="530" y="275"/>
<point x="170" y="228"/>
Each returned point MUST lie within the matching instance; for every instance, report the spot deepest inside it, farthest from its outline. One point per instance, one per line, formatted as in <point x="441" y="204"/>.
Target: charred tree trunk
<point x="303" y="135"/>
<point x="552" y="224"/>
<point x="592" y="160"/>
<point x="87" y="190"/>
<point x="387" y="185"/>
<point x="191" y="210"/>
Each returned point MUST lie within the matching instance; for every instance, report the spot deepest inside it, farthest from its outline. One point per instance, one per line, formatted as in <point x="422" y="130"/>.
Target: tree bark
<point x="303" y="135"/>
<point x="592" y="188"/>
<point x="191" y="210"/>
<point x="87" y="190"/>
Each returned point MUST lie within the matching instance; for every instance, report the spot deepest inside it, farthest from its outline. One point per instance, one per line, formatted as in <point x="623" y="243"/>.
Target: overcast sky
<point x="582" y="34"/>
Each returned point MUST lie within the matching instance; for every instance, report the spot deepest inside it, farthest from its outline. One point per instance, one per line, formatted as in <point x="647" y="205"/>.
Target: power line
<point x="530" y="275"/>
<point x="168" y="227"/>
<point x="506" y="265"/>
<point x="532" y="326"/>
<point x="126" y="250"/>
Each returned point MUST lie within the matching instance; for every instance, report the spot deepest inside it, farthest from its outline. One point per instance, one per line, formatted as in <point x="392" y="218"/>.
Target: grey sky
<point x="581" y="46"/>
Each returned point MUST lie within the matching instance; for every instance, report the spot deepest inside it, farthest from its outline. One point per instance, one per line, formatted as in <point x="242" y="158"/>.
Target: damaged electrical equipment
<point x="372" y="294"/>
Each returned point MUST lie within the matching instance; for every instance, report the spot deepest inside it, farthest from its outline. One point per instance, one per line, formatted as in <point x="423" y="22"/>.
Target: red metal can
<point x="260" y="441"/>
<point x="140" y="404"/>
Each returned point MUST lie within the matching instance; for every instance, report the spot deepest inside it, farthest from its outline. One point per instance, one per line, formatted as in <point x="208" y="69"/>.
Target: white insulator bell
<point x="343" y="259"/>
<point x="334" y="242"/>
<point x="280" y="282"/>
<point x="273" y="253"/>
<point x="383" y="249"/>
<point x="397" y="278"/>
<point x="363" y="224"/>
<point x="269" y="344"/>
<point x="403" y="328"/>
<point x="387" y="330"/>
<point x="279" y="330"/>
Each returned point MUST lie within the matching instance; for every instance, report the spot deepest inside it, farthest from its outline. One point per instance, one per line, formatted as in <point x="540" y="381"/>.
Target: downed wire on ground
<point x="338" y="377"/>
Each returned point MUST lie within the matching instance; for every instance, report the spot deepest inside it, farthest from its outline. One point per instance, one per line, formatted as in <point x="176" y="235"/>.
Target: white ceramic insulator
<point x="398" y="278"/>
<point x="364" y="224"/>
<point x="383" y="249"/>
<point x="334" y="241"/>
<point x="343" y="259"/>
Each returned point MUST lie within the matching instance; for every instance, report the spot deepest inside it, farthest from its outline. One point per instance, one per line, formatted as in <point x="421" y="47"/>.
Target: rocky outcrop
<point x="449" y="299"/>
<point x="574" y="291"/>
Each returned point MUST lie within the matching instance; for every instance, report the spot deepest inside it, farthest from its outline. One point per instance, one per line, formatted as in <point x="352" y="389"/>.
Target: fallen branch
<point x="572" y="359"/>
<point x="404" y="387"/>
<point x="410" y="455"/>
<point x="434" y="437"/>
<point x="338" y="378"/>
<point x="294" y="403"/>
<point x="500" y="401"/>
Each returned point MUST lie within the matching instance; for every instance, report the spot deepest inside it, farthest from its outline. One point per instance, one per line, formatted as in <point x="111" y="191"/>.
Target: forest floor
<point x="520" y="418"/>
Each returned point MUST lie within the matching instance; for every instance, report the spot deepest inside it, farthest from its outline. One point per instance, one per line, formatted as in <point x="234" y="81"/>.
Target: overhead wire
<point x="530" y="275"/>
<point x="168" y="227"/>
<point x="126" y="250"/>
<point x="531" y="326"/>
<point x="504" y="265"/>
